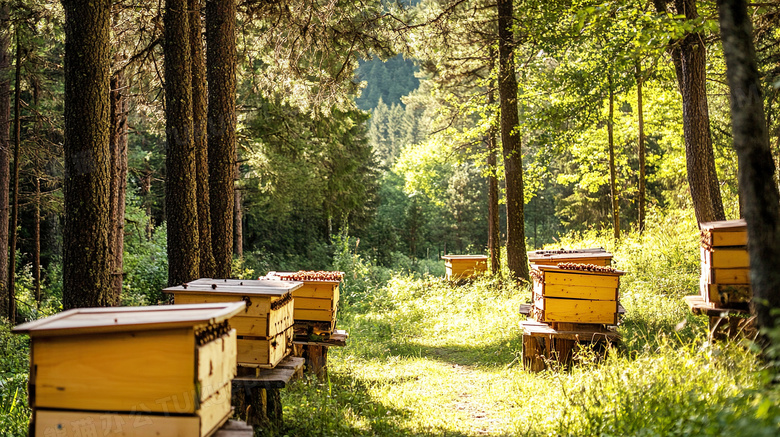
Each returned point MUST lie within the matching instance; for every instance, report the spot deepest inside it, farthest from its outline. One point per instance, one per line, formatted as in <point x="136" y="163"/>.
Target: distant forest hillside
<point x="389" y="80"/>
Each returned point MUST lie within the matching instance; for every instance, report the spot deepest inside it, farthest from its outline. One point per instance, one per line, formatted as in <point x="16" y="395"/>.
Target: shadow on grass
<point x="379" y="340"/>
<point x="344" y="406"/>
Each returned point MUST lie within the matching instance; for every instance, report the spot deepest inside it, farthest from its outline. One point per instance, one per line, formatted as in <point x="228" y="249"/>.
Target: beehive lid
<point x="279" y="276"/>
<point x="608" y="270"/>
<point x="596" y="252"/>
<point x="236" y="287"/>
<point x="122" y="319"/>
<point x="464" y="257"/>
<point x="725" y="226"/>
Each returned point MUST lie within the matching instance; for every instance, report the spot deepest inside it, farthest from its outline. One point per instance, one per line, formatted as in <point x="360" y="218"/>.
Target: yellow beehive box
<point x="317" y="300"/>
<point x="575" y="296"/>
<point x="171" y="365"/>
<point x="725" y="257"/>
<point x="727" y="233"/>
<point x="264" y="328"/>
<point x="596" y="256"/>
<point x="725" y="264"/>
<point x="464" y="266"/>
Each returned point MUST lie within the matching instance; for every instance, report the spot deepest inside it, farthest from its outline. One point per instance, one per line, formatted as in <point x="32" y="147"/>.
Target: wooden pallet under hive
<point x="575" y="296"/>
<point x="543" y="344"/>
<point x="264" y="328"/>
<point x="132" y="371"/>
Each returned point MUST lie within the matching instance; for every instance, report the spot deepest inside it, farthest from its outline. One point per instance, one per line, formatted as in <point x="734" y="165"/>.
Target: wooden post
<point x="533" y="353"/>
<point x="251" y="405"/>
<point x="318" y="360"/>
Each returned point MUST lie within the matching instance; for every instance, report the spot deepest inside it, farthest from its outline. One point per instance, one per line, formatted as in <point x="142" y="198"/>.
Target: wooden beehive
<point x="316" y="301"/>
<point x="132" y="371"/>
<point x="575" y="296"/>
<point x="464" y="266"/>
<point x="264" y="328"/>
<point x="596" y="256"/>
<point x="725" y="264"/>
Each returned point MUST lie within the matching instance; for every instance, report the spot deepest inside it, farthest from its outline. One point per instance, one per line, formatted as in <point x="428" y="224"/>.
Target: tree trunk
<point x="238" y="229"/>
<point x="86" y="265"/>
<point x="221" y="72"/>
<point x="118" y="149"/>
<point x="5" y="147"/>
<point x="689" y="56"/>
<point x="494" y="243"/>
<point x="641" y="152"/>
<point x="37" y="244"/>
<point x="612" y="173"/>
<point x="517" y="258"/>
<point x="200" y="123"/>
<point x="15" y="182"/>
<point x="756" y="167"/>
<point x="180" y="186"/>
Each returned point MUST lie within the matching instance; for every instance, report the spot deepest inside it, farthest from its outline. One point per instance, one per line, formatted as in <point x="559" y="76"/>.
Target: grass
<point x="429" y="358"/>
<point x="426" y="357"/>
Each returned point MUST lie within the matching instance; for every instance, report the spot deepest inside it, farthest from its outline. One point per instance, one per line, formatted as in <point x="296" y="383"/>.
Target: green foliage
<point x="386" y="81"/>
<point x="14" y="369"/>
<point x="303" y="177"/>
<point x="145" y="257"/>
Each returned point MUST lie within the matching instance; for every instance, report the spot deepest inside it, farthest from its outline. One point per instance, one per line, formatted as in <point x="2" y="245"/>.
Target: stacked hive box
<point x="315" y="302"/>
<point x="575" y="293"/>
<point x="264" y="328"/>
<point x="136" y="371"/>
<point x="464" y="266"/>
<point x="596" y="256"/>
<point x="725" y="266"/>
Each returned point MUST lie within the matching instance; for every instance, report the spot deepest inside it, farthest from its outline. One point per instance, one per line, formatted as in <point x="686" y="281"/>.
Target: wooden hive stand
<point x="316" y="352"/>
<point x="264" y="328"/>
<point x="545" y="343"/>
<point x="132" y="371"/>
<point x="256" y="395"/>
<point x="724" y="323"/>
<point x="464" y="267"/>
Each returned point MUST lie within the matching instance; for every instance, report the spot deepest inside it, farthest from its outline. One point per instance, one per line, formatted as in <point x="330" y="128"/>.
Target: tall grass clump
<point x="14" y="368"/>
<point x="671" y="390"/>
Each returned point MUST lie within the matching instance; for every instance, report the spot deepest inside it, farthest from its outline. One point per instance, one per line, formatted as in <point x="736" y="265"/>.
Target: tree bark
<point x="756" y="167"/>
<point x="612" y="173"/>
<point x="690" y="57"/>
<point x="238" y="229"/>
<point x="517" y="258"/>
<point x="37" y="244"/>
<point x="15" y="181"/>
<point x="5" y="147"/>
<point x="494" y="242"/>
<point x="180" y="186"/>
<point x="86" y="265"/>
<point x="641" y="152"/>
<point x="118" y="149"/>
<point x="221" y="73"/>
<point x="200" y="123"/>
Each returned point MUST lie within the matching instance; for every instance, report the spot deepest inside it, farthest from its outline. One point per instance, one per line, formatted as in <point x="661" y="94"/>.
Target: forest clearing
<point x="223" y="218"/>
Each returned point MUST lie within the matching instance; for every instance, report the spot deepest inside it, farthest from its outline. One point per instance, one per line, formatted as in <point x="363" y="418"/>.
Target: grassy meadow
<point x="429" y="358"/>
<point x="426" y="357"/>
